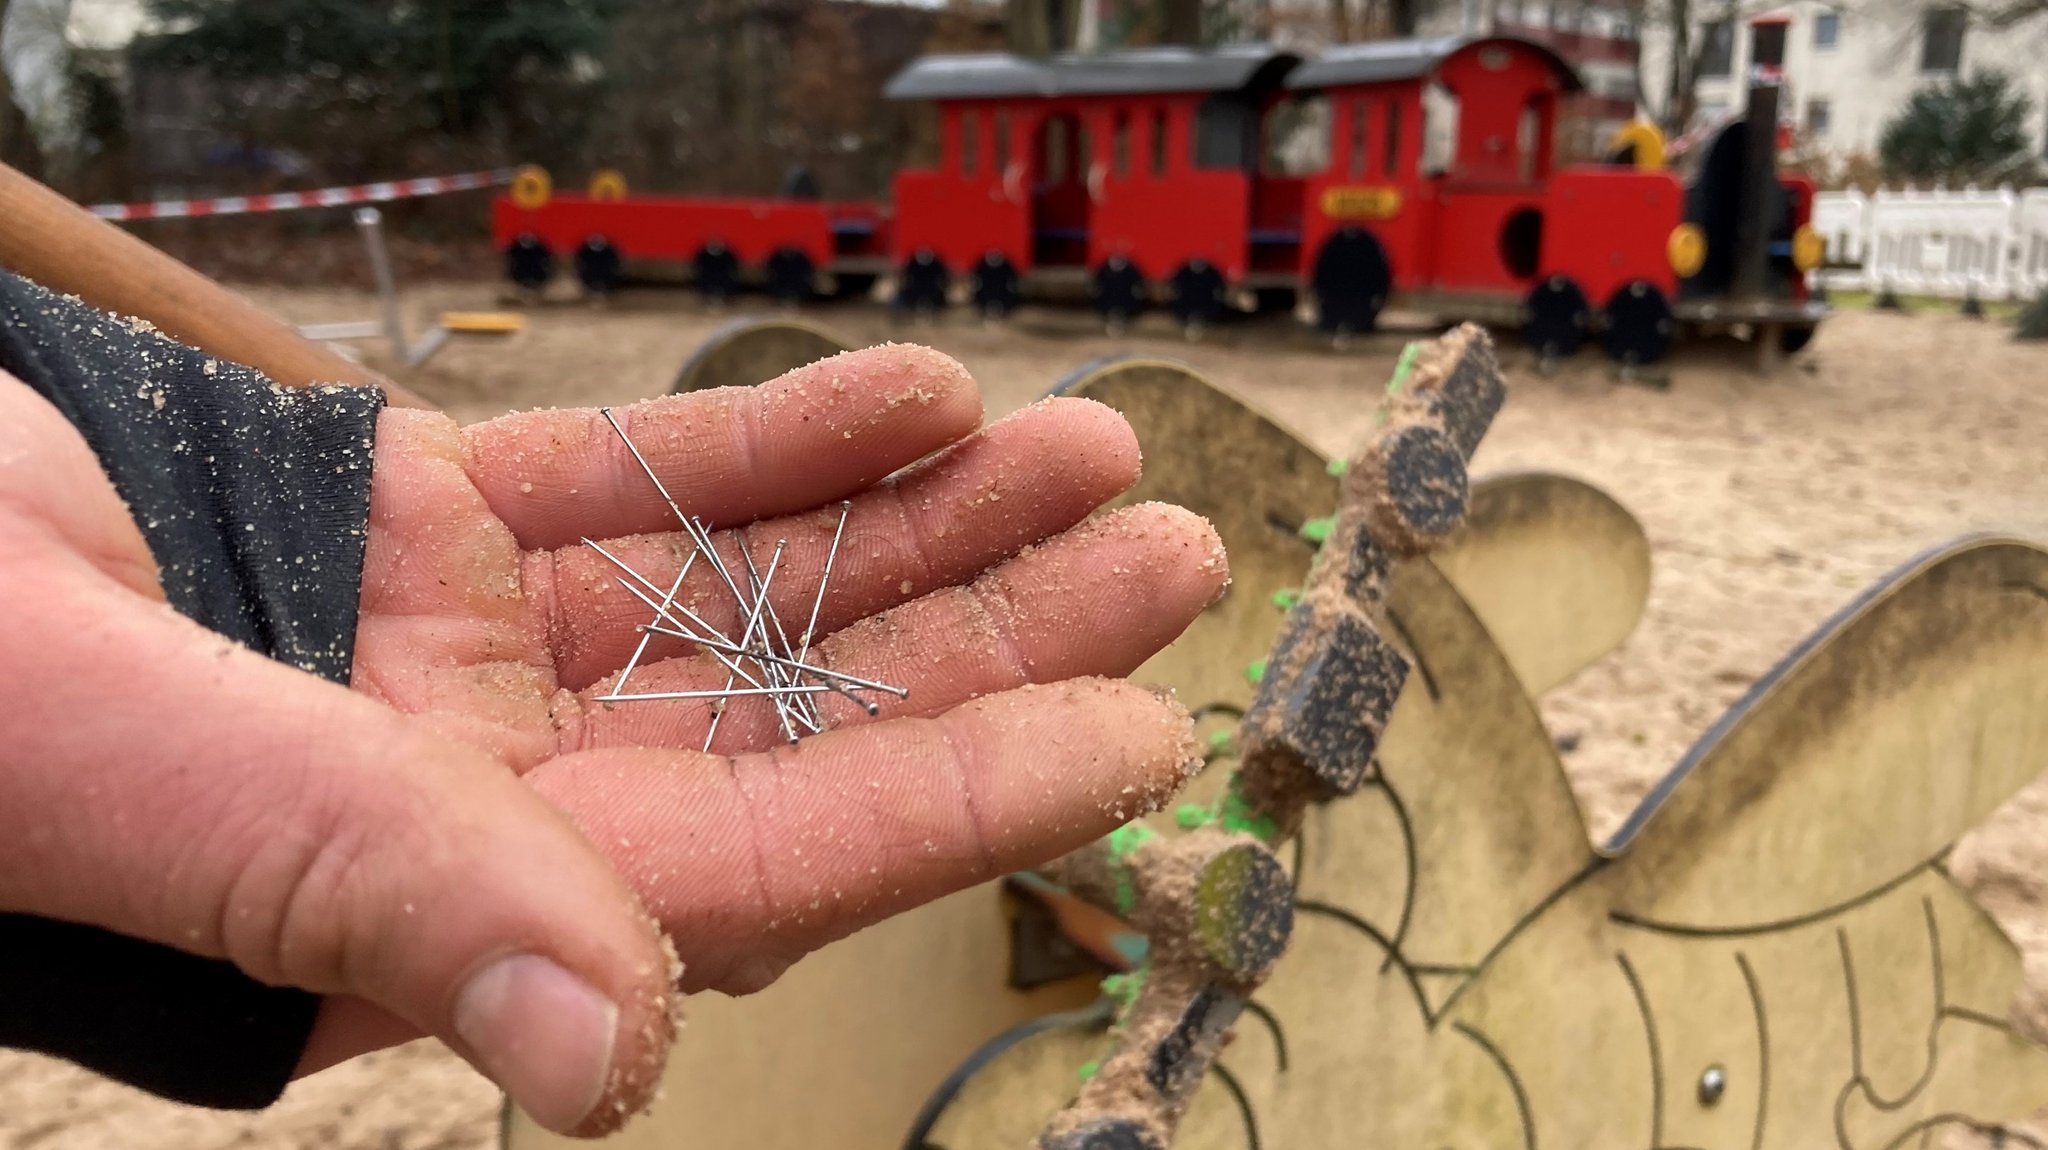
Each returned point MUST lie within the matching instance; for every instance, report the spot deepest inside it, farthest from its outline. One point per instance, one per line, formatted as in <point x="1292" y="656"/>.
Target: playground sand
<point x="1769" y="502"/>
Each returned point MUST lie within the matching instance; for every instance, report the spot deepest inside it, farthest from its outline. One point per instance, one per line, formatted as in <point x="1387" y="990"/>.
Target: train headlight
<point x="608" y="184"/>
<point x="1686" y="249"/>
<point x="1808" y="249"/>
<point x="531" y="187"/>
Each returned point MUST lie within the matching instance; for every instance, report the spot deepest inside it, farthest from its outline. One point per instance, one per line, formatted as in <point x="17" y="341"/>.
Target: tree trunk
<point x="1039" y="27"/>
<point x="19" y="148"/>
<point x="1180" y="21"/>
<point x="1678" y="94"/>
<point x="1340" y="21"/>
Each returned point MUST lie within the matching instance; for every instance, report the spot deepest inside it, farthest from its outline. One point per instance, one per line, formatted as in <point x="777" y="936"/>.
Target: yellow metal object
<point x="483" y="322"/>
<point x="1361" y="203"/>
<point x="608" y="184"/>
<point x="1645" y="138"/>
<point x="531" y="187"/>
<point x="1808" y="249"/>
<point x="1686" y="249"/>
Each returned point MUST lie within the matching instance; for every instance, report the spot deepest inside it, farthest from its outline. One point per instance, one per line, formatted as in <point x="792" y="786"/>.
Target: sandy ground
<point x="1769" y="502"/>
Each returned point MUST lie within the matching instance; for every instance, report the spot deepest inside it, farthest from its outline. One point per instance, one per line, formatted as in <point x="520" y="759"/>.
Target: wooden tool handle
<point x="56" y="243"/>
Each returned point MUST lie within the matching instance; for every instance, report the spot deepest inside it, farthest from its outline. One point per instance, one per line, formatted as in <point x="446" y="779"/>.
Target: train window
<point x="1120" y="143"/>
<point x="1001" y="137"/>
<point x="1297" y="137"/>
<point x="1227" y="133"/>
<point x="1439" y="129"/>
<point x="1056" y="151"/>
<point x="970" y="142"/>
<point x="1390" y="165"/>
<point x="1159" y="141"/>
<point x="1526" y="132"/>
<point x="1361" y="115"/>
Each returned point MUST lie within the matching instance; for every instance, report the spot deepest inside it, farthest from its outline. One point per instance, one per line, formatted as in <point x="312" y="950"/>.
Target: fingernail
<point x="543" y="1034"/>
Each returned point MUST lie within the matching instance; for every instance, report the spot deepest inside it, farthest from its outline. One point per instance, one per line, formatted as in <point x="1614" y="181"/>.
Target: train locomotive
<point x="1145" y="178"/>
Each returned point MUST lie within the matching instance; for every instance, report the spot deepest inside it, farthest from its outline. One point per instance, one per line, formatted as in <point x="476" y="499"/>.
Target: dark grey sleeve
<point x="254" y="500"/>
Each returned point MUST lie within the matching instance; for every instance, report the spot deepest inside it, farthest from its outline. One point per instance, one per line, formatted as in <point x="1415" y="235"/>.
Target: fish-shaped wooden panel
<point x="746" y="351"/>
<point x="872" y="1026"/>
<point x="1768" y="955"/>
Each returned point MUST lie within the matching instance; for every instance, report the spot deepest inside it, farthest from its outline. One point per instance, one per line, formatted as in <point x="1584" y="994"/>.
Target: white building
<point x="1850" y="68"/>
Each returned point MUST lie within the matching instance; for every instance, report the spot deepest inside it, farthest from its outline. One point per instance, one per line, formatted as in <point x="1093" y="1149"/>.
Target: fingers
<point x="168" y="784"/>
<point x="730" y="455"/>
<point x="1020" y="480"/>
<point x="1097" y="600"/>
<point x="752" y="862"/>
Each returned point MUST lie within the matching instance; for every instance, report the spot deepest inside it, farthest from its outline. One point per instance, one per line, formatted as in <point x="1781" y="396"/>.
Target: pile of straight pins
<point x="761" y="662"/>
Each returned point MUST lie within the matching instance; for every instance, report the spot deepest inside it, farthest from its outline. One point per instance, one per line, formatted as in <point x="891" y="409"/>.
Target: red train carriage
<point x="1147" y="176"/>
<point x="1128" y="169"/>
<point x="796" y="245"/>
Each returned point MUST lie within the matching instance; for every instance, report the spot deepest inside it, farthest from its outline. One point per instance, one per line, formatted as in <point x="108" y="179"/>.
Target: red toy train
<point x="1143" y="176"/>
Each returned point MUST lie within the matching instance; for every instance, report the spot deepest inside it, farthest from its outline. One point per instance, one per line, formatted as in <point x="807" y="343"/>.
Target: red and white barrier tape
<point x="377" y="193"/>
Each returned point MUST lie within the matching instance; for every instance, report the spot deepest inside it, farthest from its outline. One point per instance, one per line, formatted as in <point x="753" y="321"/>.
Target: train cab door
<point x="1056" y="174"/>
<point x="1171" y="187"/>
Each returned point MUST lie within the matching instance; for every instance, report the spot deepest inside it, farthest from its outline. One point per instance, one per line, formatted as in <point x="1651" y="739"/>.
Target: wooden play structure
<point x="1769" y="954"/>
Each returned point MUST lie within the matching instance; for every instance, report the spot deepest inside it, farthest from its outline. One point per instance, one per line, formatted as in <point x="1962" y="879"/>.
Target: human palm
<point x="483" y="610"/>
<point x="419" y="850"/>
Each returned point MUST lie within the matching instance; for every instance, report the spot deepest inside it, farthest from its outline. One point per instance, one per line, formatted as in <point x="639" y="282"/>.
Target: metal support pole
<point x="371" y="222"/>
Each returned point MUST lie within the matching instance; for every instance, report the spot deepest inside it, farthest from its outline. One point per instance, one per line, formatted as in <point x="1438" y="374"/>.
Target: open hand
<point x="384" y="851"/>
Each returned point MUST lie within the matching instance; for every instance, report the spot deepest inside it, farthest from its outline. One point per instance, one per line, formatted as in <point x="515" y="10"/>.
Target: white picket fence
<point x="1939" y="242"/>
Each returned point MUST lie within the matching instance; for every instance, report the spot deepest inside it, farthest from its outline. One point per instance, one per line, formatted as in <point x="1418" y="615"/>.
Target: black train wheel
<point x="921" y="286"/>
<point x="792" y="277"/>
<point x="598" y="265"/>
<point x="1793" y="339"/>
<point x="1556" y="316"/>
<point x="717" y="271"/>
<point x="1640" y="325"/>
<point x="1199" y="294"/>
<point x="1351" y="281"/>
<point x="529" y="263"/>
<point x="1118" y="289"/>
<point x="996" y="288"/>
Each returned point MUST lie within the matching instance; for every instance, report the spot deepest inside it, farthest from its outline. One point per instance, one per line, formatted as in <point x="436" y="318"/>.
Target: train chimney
<point x="1760" y="168"/>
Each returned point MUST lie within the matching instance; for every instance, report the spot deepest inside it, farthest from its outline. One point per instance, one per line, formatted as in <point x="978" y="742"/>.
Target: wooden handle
<point x="63" y="247"/>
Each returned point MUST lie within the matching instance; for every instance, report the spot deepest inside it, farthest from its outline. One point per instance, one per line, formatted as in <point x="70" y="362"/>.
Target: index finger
<point x="730" y="455"/>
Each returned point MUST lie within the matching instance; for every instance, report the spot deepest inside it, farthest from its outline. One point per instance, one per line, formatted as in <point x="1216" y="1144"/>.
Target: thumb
<point x="163" y="782"/>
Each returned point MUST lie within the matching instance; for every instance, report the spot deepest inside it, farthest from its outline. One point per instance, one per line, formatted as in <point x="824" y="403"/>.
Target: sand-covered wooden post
<point x="1216" y="904"/>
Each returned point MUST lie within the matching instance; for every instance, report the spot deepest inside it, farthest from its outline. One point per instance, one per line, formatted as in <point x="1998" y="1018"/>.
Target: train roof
<point x="1002" y="75"/>
<point x="1382" y="61"/>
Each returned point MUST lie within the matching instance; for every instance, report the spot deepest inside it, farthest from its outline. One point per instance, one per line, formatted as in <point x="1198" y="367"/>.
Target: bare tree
<point x="1340" y="21"/>
<point x="1180" y="21"/>
<point x="1041" y="27"/>
<point x="19" y="148"/>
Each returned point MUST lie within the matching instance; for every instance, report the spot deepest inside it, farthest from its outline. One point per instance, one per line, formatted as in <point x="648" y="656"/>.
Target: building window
<point x="1941" y="39"/>
<point x="1827" y="27"/>
<point x="1717" y="48"/>
<point x="1817" y="113"/>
